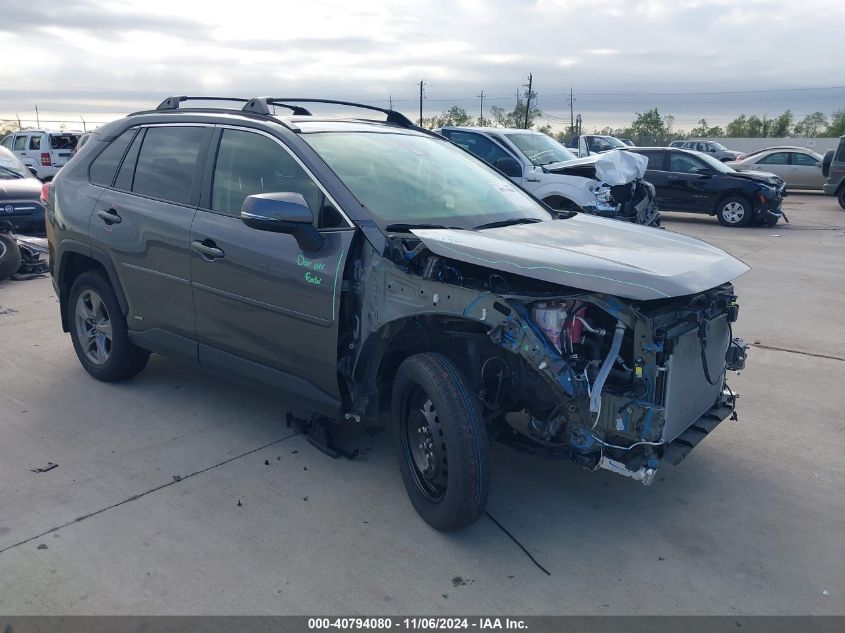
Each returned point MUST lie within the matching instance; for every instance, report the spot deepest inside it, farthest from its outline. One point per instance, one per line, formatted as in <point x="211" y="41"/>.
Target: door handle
<point x="207" y="249"/>
<point x="109" y="216"/>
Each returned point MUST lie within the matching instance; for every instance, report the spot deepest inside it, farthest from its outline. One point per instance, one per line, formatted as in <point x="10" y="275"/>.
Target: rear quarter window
<point x="840" y="152"/>
<point x="105" y="165"/>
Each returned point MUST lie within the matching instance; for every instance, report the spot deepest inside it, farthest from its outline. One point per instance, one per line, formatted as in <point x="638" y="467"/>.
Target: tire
<point x="93" y="314"/>
<point x="10" y="256"/>
<point x="441" y="442"/>
<point x="734" y="211"/>
<point x="840" y="197"/>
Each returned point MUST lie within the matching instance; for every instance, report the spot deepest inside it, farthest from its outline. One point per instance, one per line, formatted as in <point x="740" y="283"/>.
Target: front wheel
<point x="734" y="211"/>
<point x="10" y="256"/>
<point x="841" y="197"/>
<point x="441" y="441"/>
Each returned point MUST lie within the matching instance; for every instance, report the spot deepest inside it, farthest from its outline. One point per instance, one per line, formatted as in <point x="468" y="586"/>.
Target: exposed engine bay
<point x="610" y="382"/>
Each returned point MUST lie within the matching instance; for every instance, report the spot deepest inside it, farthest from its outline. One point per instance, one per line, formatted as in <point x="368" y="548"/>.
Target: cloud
<point x="94" y="57"/>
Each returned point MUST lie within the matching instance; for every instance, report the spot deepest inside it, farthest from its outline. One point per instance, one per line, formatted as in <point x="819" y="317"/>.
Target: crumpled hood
<point x="760" y="176"/>
<point x="591" y="253"/>
<point x="613" y="167"/>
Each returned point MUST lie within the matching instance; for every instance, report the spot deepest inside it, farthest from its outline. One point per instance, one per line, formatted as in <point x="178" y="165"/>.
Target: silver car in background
<point x="799" y="167"/>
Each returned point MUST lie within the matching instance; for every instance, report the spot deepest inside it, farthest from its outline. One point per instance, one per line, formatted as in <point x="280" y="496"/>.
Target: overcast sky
<point x="102" y="59"/>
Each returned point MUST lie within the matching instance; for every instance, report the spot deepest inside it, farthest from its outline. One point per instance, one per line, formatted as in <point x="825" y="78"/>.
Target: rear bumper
<point x="831" y="188"/>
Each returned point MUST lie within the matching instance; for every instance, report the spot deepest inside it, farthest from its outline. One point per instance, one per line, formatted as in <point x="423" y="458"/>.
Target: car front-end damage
<point x="614" y="186"/>
<point x="583" y="356"/>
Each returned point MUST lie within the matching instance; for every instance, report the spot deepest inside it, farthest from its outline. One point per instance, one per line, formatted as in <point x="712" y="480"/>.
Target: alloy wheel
<point x="733" y="212"/>
<point x="93" y="327"/>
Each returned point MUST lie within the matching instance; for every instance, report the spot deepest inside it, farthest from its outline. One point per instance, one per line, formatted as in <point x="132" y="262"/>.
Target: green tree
<point x="737" y="128"/>
<point x="517" y="116"/>
<point x="453" y="116"/>
<point x="754" y="126"/>
<point x="782" y="125"/>
<point x="837" y="124"/>
<point x="812" y="125"/>
<point x="650" y="128"/>
<point x="546" y="129"/>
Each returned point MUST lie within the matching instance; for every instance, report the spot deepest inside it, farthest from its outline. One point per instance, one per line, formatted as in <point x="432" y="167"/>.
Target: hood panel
<point x="591" y="253"/>
<point x="613" y="167"/>
<point x="759" y="176"/>
<point x="20" y="189"/>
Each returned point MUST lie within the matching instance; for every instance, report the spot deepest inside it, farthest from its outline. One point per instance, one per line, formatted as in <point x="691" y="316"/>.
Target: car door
<point x="687" y="188"/>
<point x="20" y="149"/>
<point x="143" y="219"/>
<point x="776" y="163"/>
<point x="266" y="310"/>
<point x="656" y="173"/>
<point x="806" y="171"/>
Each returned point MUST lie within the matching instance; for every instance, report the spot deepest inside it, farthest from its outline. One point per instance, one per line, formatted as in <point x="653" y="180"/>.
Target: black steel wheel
<point x="441" y="441"/>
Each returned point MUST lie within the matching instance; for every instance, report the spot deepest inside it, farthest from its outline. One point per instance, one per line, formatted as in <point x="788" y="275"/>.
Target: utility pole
<point x="37" y="120"/>
<point x="422" y="96"/>
<point x="84" y="127"/>
<point x="571" y="112"/>
<point x="481" y="116"/>
<point x="20" y="127"/>
<point x="528" y="100"/>
<point x="390" y="98"/>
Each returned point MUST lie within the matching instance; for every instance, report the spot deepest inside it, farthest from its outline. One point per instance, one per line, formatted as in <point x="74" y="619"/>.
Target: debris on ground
<point x="42" y="546"/>
<point x="240" y="505"/>
<point x="44" y="469"/>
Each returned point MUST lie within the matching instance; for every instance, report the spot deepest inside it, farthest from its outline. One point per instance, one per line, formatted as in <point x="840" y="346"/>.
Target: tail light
<point x="45" y="193"/>
<point x="45" y="159"/>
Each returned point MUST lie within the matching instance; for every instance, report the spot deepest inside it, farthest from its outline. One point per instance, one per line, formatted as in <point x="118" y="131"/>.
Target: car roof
<point x="469" y="128"/>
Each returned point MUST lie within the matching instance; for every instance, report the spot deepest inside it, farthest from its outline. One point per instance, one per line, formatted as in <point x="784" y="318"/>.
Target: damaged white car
<point x="609" y="185"/>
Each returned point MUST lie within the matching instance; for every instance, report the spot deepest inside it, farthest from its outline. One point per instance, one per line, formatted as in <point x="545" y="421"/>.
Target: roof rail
<point x="397" y="118"/>
<point x="261" y="105"/>
<point x="172" y="103"/>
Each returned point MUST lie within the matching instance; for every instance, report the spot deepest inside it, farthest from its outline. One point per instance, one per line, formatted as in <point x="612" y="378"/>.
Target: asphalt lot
<point x="177" y="493"/>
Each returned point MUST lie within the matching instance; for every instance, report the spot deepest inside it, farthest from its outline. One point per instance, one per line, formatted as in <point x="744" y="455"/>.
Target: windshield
<point x="10" y="167"/>
<point x="413" y="179"/>
<point x="612" y="141"/>
<point x="715" y="163"/>
<point x="539" y="148"/>
<point x="64" y="141"/>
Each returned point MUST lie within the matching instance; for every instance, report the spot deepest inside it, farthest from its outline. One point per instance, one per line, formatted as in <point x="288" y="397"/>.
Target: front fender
<point x="573" y="188"/>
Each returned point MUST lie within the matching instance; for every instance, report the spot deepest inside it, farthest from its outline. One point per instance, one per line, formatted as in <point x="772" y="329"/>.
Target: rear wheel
<point x="10" y="256"/>
<point x="734" y="211"/>
<point x="440" y="441"/>
<point x="841" y="197"/>
<point x="99" y="333"/>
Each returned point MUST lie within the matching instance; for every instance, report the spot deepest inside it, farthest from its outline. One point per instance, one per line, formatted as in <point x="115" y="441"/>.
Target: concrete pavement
<point x="180" y="494"/>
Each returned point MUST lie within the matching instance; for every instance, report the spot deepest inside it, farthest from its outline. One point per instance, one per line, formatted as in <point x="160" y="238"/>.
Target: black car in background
<point x="687" y="180"/>
<point x="20" y="196"/>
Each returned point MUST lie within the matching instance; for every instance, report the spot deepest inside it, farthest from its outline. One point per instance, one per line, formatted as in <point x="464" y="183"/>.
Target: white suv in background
<point x="43" y="151"/>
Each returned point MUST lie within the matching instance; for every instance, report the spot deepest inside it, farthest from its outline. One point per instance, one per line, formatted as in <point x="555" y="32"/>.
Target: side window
<point x="167" y="162"/>
<point x="102" y="169"/>
<point x="248" y="163"/>
<point x="655" y="159"/>
<point x="804" y="160"/>
<point x="479" y="145"/>
<point x="840" y="152"/>
<point x="126" y="173"/>
<point x="35" y="142"/>
<point x="683" y="164"/>
<point x="778" y="158"/>
<point x="20" y="143"/>
<point x="7" y="142"/>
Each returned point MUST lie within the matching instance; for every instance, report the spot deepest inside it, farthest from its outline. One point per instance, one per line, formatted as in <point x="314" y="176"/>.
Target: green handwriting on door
<point x="310" y="277"/>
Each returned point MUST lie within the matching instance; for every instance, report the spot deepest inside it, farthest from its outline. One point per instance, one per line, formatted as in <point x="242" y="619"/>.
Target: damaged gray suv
<point x="357" y="266"/>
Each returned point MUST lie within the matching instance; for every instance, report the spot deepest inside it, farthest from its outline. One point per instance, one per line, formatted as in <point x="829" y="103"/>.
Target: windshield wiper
<point x="511" y="221"/>
<point x="405" y="228"/>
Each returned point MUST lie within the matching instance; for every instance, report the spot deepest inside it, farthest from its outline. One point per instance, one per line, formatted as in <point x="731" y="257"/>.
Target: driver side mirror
<point x="509" y="167"/>
<point x="284" y="212"/>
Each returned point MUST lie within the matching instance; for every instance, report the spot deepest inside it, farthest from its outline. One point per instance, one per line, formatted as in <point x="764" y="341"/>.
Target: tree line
<point x="651" y="127"/>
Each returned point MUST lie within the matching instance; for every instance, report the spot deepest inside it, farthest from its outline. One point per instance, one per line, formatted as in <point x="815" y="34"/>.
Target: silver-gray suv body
<point x="357" y="267"/>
